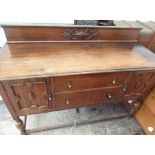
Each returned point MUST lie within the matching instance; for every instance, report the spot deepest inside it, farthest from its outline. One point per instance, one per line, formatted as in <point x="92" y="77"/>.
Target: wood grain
<point x="29" y="94"/>
<point x="78" y="99"/>
<point x="80" y="82"/>
<point x="44" y="69"/>
<point x="56" y="33"/>
<point x="27" y="60"/>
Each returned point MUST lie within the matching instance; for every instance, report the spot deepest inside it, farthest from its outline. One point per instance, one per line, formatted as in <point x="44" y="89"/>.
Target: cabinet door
<point x="140" y="83"/>
<point x="30" y="95"/>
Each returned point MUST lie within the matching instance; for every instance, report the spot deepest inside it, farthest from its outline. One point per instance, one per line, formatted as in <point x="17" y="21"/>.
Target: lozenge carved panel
<point x="27" y="95"/>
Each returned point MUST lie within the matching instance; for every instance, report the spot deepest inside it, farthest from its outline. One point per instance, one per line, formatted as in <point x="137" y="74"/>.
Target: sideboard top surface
<point x="43" y="59"/>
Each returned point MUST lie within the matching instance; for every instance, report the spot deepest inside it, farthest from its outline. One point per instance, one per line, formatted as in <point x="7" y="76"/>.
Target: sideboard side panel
<point x="7" y="101"/>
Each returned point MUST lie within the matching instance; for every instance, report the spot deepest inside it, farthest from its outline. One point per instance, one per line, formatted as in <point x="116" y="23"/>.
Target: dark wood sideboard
<point x="46" y="68"/>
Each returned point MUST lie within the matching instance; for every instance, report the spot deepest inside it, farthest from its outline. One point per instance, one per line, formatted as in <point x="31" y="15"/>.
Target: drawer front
<point x="79" y="99"/>
<point x="79" y="82"/>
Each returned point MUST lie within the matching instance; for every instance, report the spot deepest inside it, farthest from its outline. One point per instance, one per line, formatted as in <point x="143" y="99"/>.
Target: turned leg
<point x="20" y="125"/>
<point x="77" y="110"/>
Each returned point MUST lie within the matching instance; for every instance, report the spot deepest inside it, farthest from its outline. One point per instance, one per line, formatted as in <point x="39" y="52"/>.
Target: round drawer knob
<point x="109" y="95"/>
<point x="69" y="84"/>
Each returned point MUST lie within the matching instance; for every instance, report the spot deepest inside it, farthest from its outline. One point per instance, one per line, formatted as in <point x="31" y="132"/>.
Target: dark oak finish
<point x="80" y="82"/>
<point x="78" y="99"/>
<point x="33" y="94"/>
<point x="29" y="94"/>
<point x="72" y="67"/>
<point x="68" y="33"/>
<point x="139" y="82"/>
<point x="27" y="60"/>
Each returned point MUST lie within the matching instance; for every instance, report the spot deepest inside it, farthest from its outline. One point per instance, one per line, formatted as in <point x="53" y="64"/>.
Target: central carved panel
<point x="80" y="34"/>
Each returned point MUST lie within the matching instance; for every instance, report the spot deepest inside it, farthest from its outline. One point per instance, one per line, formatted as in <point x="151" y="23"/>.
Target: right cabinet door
<point x="139" y="83"/>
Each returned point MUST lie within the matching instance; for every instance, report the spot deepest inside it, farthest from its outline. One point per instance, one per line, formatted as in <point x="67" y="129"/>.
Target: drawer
<point x="85" y="98"/>
<point x="79" y="82"/>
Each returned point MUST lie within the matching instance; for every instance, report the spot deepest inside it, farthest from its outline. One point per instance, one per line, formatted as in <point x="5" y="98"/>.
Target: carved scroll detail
<point x="80" y="34"/>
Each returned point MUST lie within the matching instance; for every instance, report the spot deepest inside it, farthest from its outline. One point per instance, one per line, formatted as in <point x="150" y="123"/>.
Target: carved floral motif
<point x="80" y="34"/>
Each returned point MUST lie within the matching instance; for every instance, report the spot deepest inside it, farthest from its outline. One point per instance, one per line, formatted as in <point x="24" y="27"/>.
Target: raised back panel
<point x="69" y="33"/>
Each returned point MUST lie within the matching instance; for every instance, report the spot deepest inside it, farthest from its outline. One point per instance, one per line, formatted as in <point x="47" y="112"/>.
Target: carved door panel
<point x="29" y="95"/>
<point x="140" y="83"/>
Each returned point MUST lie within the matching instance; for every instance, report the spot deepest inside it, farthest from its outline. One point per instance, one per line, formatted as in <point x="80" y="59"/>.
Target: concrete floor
<point x="124" y="126"/>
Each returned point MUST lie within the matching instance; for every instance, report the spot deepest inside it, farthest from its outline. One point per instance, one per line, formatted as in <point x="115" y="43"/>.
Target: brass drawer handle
<point x="125" y="88"/>
<point x="67" y="101"/>
<point x="109" y="95"/>
<point x="114" y="81"/>
<point x="69" y="84"/>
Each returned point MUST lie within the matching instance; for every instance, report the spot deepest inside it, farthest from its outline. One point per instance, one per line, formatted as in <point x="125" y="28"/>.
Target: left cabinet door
<point x="29" y="96"/>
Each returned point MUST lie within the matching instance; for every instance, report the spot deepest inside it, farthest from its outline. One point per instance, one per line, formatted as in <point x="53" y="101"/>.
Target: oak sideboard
<point x="45" y="68"/>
